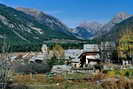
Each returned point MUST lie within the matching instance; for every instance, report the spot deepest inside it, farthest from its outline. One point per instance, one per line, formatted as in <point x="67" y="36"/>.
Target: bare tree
<point x="4" y="64"/>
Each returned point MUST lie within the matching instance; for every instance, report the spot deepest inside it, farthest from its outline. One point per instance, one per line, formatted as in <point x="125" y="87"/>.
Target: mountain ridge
<point x="46" y="19"/>
<point x="92" y="30"/>
<point x="19" y="27"/>
<point x="120" y="29"/>
<point x="87" y="30"/>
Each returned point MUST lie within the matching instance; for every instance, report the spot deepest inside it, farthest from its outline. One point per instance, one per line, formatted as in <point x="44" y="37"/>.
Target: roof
<point x="75" y="60"/>
<point x="38" y="57"/>
<point x="88" y="53"/>
<point x="91" y="47"/>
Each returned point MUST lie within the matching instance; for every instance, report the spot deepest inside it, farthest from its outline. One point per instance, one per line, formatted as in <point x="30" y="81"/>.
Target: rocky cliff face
<point x="87" y="30"/>
<point x="90" y="30"/>
<point x="115" y="20"/>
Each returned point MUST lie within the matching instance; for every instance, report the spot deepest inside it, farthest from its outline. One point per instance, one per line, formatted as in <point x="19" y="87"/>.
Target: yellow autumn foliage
<point x="125" y="47"/>
<point x="58" y="51"/>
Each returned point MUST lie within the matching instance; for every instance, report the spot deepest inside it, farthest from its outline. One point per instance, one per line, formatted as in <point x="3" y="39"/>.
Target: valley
<point x="39" y="51"/>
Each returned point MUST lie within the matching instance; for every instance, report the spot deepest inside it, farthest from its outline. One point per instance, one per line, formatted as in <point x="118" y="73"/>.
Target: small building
<point x="89" y="58"/>
<point x="44" y="48"/>
<point x="37" y="59"/>
<point x="90" y="47"/>
<point x="72" y="53"/>
<point x="75" y="63"/>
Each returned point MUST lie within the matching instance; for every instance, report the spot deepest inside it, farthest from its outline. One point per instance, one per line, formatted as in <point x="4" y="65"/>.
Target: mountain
<point x="46" y="20"/>
<point x="20" y="28"/>
<point x="115" y="20"/>
<point x="87" y="30"/>
<point x="92" y="30"/>
<point x="120" y="29"/>
<point x="108" y="28"/>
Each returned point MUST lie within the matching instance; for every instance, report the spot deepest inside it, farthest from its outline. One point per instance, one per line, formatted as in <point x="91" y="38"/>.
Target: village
<point x="69" y="44"/>
<point x="95" y="64"/>
<point x="92" y="58"/>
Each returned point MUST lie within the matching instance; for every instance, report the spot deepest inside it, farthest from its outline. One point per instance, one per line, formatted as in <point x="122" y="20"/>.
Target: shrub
<point x="32" y="68"/>
<point x="111" y="74"/>
<point x="55" y="61"/>
<point x="40" y="68"/>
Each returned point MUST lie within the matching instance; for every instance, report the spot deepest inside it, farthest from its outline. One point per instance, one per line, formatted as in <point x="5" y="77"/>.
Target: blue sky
<point x="72" y="12"/>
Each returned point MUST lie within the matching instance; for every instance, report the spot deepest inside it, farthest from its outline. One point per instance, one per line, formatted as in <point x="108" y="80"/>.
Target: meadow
<point x="115" y="79"/>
